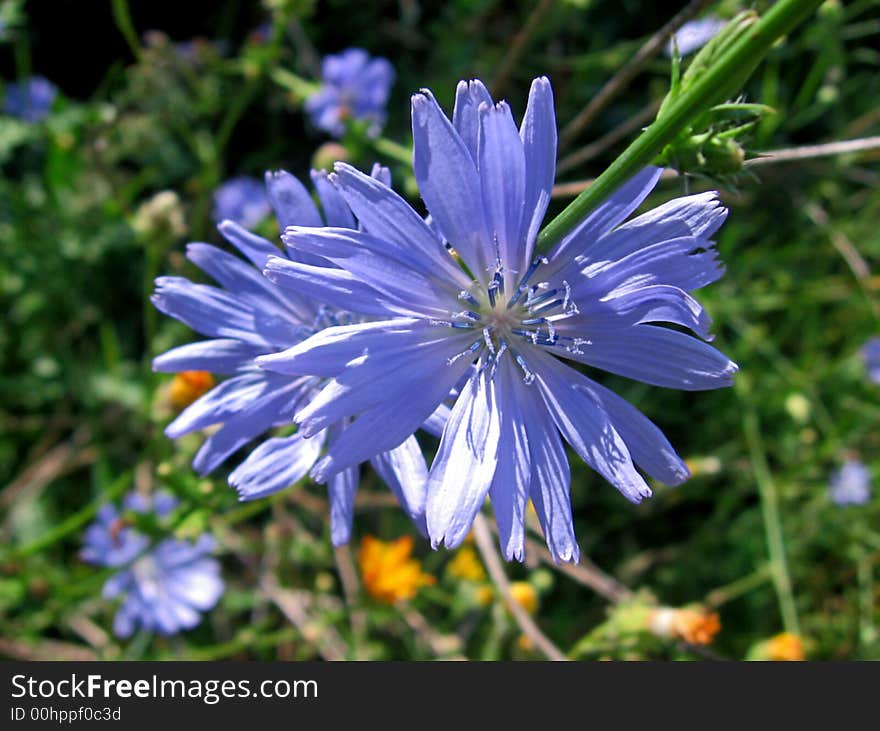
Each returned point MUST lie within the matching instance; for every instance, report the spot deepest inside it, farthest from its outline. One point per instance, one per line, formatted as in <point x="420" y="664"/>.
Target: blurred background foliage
<point x="153" y="100"/>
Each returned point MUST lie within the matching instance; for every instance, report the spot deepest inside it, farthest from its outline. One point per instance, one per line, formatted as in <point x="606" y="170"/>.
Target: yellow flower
<point x="465" y="565"/>
<point x="524" y="594"/>
<point x="484" y="595"/>
<point x="786" y="647"/>
<point x="696" y="626"/>
<point x="389" y="573"/>
<point x="187" y="386"/>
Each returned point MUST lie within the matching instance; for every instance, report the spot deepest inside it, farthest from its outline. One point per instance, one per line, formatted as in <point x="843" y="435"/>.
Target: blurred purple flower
<point x="30" y="100"/>
<point x="353" y="86"/>
<point x="851" y="484"/>
<point x="166" y="588"/>
<point x="694" y="35"/>
<point x="242" y="200"/>
<point x="163" y="586"/>
<point x="871" y="356"/>
<point x="250" y="315"/>
<point x="505" y="327"/>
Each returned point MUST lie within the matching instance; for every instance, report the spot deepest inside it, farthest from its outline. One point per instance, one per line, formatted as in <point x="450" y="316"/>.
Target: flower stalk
<point x="738" y="61"/>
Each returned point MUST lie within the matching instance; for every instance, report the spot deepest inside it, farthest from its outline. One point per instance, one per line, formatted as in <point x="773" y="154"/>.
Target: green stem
<point x="772" y="522"/>
<point x="737" y="62"/>
<point x="394" y="150"/>
<point x="122" y="16"/>
<point x="74" y="522"/>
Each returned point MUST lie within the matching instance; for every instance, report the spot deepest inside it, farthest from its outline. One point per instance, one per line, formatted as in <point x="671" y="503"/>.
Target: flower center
<point x="508" y="321"/>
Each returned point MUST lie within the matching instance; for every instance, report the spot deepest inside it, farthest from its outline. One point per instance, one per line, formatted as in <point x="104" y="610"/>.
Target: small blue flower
<point x="242" y="200"/>
<point x="501" y="330"/>
<point x="30" y="100"/>
<point x="353" y="86"/>
<point x="694" y="35"/>
<point x="871" y="356"/>
<point x="163" y="586"/>
<point x="249" y="315"/>
<point x="851" y="484"/>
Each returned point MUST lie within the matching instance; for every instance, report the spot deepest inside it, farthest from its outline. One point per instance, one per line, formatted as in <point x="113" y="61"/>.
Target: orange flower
<point x="187" y="386"/>
<point x="785" y="647"/>
<point x="389" y="573"/>
<point x="695" y="626"/>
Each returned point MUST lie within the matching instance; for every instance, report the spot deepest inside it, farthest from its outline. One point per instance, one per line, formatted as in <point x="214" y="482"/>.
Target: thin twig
<point x="292" y="604"/>
<point x="628" y="72"/>
<point x="45" y="650"/>
<point x="847" y="250"/>
<point x="486" y="547"/>
<point x="59" y="460"/>
<point x="594" y="149"/>
<point x="447" y="647"/>
<point x="585" y="573"/>
<point x="789" y="154"/>
<point x="517" y="46"/>
<point x="351" y="589"/>
<point x="807" y="152"/>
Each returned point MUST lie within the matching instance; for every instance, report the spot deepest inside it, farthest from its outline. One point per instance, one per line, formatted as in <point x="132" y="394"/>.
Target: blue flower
<point x="851" y="484"/>
<point x="871" y="356"/>
<point x="353" y="86"/>
<point x="242" y="200"/>
<point x="694" y="34"/>
<point x="248" y="315"/>
<point x="163" y="586"/>
<point x="30" y="100"/>
<point x="503" y="328"/>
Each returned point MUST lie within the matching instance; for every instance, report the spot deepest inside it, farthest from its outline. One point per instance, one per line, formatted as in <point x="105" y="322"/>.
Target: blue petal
<point x="372" y="379"/>
<point x="226" y="399"/>
<point x="217" y="356"/>
<point x="662" y="303"/>
<point x="449" y="184"/>
<point x="687" y="263"/>
<point x="465" y="464"/>
<point x="391" y="271"/>
<point x="276" y="464"/>
<point x="269" y="410"/>
<point x="538" y="133"/>
<point x="292" y="203"/>
<point x="654" y="355"/>
<point x="404" y="470"/>
<point x="389" y="423"/>
<point x="587" y="427"/>
<point x="238" y="277"/>
<point x="388" y="217"/>
<point x="341" y="490"/>
<point x="336" y="211"/>
<point x="436" y="422"/>
<point x="510" y="486"/>
<point x="207" y="310"/>
<point x="335" y="287"/>
<point x="327" y="352"/>
<point x="550" y="479"/>
<point x="255" y="248"/>
<point x="468" y="97"/>
<point x="608" y="214"/>
<point x="649" y="447"/>
<point x="381" y="173"/>
<point x="502" y="167"/>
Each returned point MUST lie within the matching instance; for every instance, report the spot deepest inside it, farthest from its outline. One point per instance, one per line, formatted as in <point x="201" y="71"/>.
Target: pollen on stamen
<point x="469" y="351"/>
<point x="528" y="376"/>
<point x="536" y="262"/>
<point x="487" y="337"/>
<point x="469" y="298"/>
